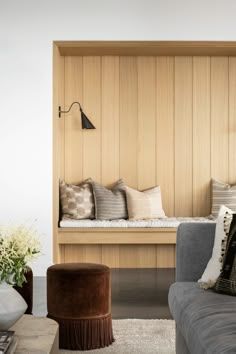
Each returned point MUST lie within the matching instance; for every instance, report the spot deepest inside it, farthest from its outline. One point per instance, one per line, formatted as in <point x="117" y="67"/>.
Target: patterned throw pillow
<point x="77" y="201"/>
<point x="222" y="194"/>
<point x="214" y="265"/>
<point x="144" y="205"/>
<point x="110" y="204"/>
<point x="226" y="283"/>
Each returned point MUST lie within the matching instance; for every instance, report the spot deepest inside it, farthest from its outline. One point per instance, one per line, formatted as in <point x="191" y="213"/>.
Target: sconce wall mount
<point x="86" y="124"/>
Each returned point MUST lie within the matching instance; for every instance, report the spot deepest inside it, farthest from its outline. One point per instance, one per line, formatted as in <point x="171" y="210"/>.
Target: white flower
<point x="18" y="246"/>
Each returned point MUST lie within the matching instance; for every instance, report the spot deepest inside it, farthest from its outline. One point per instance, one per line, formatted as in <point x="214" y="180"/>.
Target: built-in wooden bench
<point x="119" y="247"/>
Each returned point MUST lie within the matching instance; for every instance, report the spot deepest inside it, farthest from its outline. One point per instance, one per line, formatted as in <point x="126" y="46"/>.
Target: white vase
<point x="12" y="306"/>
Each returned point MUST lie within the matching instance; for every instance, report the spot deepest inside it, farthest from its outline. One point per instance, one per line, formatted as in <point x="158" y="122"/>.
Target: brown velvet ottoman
<point x="79" y="299"/>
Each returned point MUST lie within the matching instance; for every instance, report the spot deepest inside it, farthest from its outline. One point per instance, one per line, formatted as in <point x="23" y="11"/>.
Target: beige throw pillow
<point x="77" y="202"/>
<point x="144" y="205"/>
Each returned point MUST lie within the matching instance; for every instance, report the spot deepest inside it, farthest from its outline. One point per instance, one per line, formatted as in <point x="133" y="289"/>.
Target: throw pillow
<point x="144" y="205"/>
<point x="222" y="194"/>
<point x="213" y="267"/>
<point x="110" y="204"/>
<point x="226" y="283"/>
<point x="77" y="201"/>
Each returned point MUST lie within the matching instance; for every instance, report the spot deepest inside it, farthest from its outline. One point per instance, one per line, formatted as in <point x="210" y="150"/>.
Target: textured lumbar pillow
<point x="110" y="204"/>
<point x="144" y="205"/>
<point x="222" y="194"/>
<point x="77" y="201"/>
<point x="214" y="265"/>
<point x="226" y="283"/>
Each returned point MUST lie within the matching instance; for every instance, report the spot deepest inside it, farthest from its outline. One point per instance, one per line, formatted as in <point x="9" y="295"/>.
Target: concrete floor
<point x="136" y="293"/>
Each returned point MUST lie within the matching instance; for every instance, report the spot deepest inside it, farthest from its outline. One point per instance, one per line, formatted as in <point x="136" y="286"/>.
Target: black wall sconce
<point x="86" y="124"/>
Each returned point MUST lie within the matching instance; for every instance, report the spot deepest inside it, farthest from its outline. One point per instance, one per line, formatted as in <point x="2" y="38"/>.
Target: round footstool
<point x="79" y="299"/>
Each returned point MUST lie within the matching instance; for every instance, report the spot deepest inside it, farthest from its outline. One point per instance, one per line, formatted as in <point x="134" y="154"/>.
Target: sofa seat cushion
<point x="207" y="320"/>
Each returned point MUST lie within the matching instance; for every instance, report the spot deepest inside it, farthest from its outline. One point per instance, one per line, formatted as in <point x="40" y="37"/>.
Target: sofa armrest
<point x="193" y="250"/>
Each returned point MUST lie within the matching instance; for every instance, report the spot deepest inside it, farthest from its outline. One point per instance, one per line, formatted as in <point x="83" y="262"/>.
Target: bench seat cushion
<point x="166" y="222"/>
<point x="206" y="319"/>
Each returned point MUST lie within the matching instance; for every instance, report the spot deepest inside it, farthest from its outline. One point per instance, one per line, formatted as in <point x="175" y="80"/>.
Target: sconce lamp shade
<point x="86" y="124"/>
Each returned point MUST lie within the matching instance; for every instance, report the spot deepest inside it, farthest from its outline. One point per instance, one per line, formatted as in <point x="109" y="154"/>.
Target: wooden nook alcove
<point x="165" y="113"/>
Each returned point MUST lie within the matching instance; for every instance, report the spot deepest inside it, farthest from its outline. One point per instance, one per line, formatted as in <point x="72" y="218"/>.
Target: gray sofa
<point x="205" y="320"/>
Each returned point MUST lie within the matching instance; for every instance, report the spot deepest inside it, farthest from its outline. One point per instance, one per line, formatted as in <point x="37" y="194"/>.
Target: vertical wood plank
<point x="146" y="122"/>
<point x="92" y="108"/>
<point x="165" y="256"/>
<point x="110" y="120"/>
<point x="58" y="144"/>
<point x="83" y="253"/>
<point x="128" y="120"/>
<point x="137" y="256"/>
<point x="165" y="131"/>
<point x="219" y="118"/>
<point x="128" y="256"/>
<point x="183" y="136"/>
<point x="73" y="130"/>
<point x="111" y="255"/>
<point x="61" y="122"/>
<point x="201" y="137"/>
<point x="93" y="253"/>
<point x="146" y="256"/>
<point x="232" y="120"/>
<point x="74" y="253"/>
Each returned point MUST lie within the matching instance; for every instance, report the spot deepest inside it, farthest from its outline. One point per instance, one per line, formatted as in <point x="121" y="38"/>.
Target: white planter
<point x="12" y="306"/>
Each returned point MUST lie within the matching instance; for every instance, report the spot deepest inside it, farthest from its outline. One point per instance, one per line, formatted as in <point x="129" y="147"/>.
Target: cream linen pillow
<point x="213" y="268"/>
<point x="144" y="205"/>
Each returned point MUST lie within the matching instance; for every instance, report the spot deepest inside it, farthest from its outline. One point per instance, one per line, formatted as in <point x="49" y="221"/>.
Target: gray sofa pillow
<point x="110" y="204"/>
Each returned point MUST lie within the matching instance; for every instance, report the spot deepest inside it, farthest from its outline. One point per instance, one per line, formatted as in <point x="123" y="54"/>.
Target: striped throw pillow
<point x="110" y="204"/>
<point x="222" y="194"/>
<point x="144" y="205"/>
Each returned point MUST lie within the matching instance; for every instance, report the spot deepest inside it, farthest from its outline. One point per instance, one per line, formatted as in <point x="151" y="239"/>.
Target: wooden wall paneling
<point x="219" y="118"/>
<point x="111" y="255"/>
<point x="165" y="131"/>
<point x="92" y="108"/>
<point x="72" y="120"/>
<point x="62" y="254"/>
<point x="201" y="137"/>
<point x="93" y="253"/>
<point x="74" y="253"/>
<point x="165" y="256"/>
<point x="83" y="253"/>
<point x="137" y="256"/>
<point x="146" y="165"/>
<point x="146" y="256"/>
<point x="128" y="120"/>
<point x="183" y="137"/>
<point x="128" y="256"/>
<point x="232" y="120"/>
<point x="110" y="120"/>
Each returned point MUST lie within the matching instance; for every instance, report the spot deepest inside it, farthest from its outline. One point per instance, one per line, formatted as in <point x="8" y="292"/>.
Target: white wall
<point x="27" y="29"/>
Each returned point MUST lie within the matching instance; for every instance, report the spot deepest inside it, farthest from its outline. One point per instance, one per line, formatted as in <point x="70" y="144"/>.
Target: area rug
<point x="139" y="337"/>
